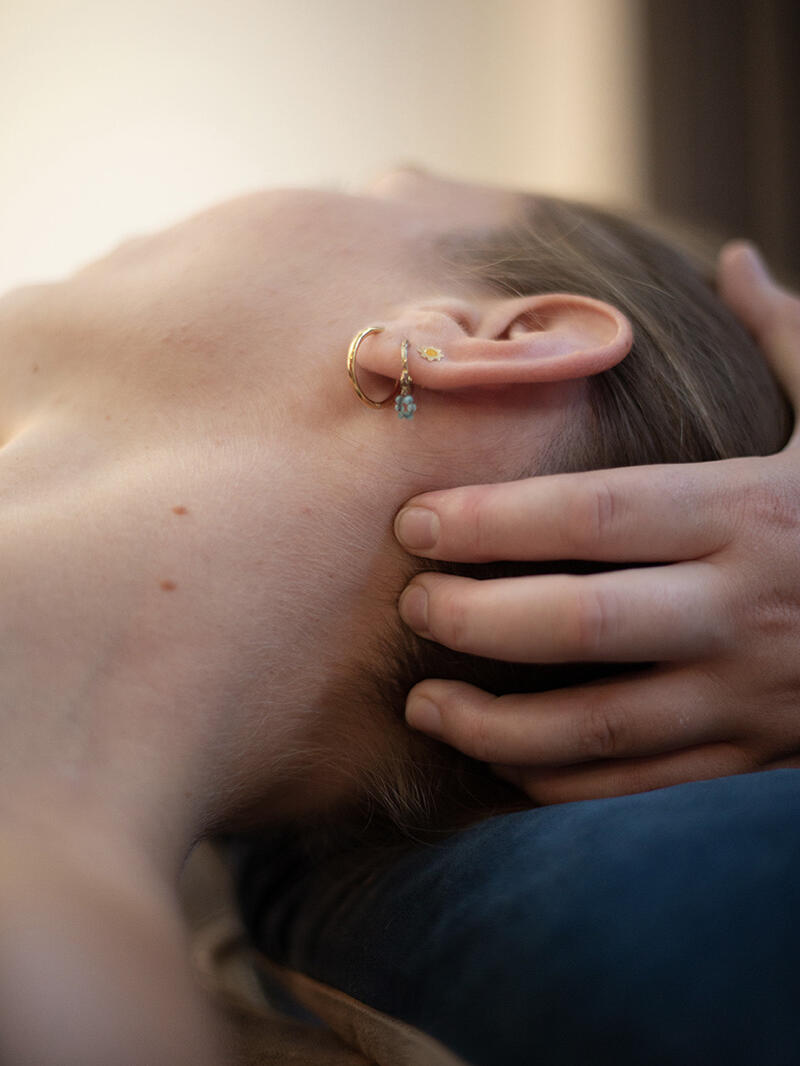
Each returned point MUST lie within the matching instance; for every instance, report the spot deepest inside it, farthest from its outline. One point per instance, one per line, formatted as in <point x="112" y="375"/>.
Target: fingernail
<point x="417" y="528"/>
<point x="413" y="608"/>
<point x="424" y="715"/>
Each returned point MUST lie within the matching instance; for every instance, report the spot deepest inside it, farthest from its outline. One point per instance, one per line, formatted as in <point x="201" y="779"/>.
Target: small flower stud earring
<point x="433" y="355"/>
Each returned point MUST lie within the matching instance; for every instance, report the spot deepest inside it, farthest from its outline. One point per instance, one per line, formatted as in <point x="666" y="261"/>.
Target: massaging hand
<point x="721" y="620"/>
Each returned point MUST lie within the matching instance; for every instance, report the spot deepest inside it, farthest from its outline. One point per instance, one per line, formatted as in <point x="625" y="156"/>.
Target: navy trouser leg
<point x="658" y="928"/>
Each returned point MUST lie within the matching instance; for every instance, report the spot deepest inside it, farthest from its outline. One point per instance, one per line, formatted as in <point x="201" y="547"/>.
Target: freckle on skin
<point x="35" y="368"/>
<point x="168" y="586"/>
<point x="180" y="509"/>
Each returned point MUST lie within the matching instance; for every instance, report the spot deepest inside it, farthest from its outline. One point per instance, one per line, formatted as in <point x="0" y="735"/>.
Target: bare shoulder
<point x="93" y="961"/>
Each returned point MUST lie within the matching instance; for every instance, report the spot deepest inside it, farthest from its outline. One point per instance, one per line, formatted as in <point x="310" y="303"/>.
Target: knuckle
<point x="773" y="615"/>
<point x="591" y="622"/>
<point x="717" y="627"/>
<point x="449" y="616"/>
<point x="589" y="517"/>
<point x="480" y="519"/>
<point x="769" y="504"/>
<point x="477" y="736"/>
<point x="600" y="733"/>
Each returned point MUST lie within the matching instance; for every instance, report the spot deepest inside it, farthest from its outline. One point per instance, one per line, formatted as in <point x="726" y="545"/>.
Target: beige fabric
<point x="383" y="1039"/>
<point x="258" y="1034"/>
<point x="358" y="1035"/>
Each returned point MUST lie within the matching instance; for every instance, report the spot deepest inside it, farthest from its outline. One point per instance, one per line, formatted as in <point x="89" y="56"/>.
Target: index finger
<point x="631" y="514"/>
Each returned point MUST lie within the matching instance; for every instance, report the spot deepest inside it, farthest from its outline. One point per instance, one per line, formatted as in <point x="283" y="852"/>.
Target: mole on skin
<point x="179" y="510"/>
<point x="167" y="586"/>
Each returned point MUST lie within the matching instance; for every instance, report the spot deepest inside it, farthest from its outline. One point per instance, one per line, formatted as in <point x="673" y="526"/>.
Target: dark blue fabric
<point x="649" y="929"/>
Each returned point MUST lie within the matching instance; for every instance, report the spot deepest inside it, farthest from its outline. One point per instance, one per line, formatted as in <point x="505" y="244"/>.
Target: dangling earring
<point x="404" y="401"/>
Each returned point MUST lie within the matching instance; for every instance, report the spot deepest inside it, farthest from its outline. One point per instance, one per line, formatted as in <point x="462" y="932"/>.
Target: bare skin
<point x="177" y="435"/>
<point x="722" y="619"/>
<point x="196" y="556"/>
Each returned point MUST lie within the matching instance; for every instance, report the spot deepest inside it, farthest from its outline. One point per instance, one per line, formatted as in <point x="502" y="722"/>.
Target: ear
<point x="525" y="340"/>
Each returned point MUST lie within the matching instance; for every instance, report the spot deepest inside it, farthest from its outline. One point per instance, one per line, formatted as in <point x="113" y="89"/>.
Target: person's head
<point x="692" y="387"/>
<point x="202" y="371"/>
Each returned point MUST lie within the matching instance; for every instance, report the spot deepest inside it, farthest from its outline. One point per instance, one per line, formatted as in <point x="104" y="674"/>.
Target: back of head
<point x="694" y="388"/>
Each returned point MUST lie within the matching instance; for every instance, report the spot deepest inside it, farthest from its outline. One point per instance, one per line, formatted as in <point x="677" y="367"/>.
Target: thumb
<point x="768" y="311"/>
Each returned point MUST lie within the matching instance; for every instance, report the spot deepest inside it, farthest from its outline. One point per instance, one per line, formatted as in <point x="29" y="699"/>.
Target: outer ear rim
<point x="546" y="306"/>
<point x="569" y="336"/>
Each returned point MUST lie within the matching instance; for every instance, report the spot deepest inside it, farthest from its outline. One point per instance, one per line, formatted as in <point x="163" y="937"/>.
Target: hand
<point x="722" y="620"/>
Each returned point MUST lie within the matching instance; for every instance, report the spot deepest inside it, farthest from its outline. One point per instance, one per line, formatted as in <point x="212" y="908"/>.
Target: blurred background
<point x="120" y="117"/>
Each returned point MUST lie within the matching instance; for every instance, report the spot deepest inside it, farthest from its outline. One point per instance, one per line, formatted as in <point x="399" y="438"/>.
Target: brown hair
<point x="694" y="388"/>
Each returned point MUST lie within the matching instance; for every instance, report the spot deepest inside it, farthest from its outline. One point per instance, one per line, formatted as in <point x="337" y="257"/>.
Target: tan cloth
<point x="258" y="1034"/>
<point x="381" y="1038"/>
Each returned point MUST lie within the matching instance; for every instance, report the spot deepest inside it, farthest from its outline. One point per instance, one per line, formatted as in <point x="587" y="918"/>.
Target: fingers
<point x="770" y="312"/>
<point x="625" y="719"/>
<point x="637" y="514"/>
<point x="599" y="780"/>
<point x="644" y="514"/>
<point x="634" y="615"/>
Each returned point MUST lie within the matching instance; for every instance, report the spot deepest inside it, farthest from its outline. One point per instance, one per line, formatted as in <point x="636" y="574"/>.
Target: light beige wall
<point x="121" y="116"/>
<point x="572" y="84"/>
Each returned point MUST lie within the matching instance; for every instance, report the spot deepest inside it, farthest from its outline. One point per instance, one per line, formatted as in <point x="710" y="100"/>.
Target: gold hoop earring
<point x="352" y="351"/>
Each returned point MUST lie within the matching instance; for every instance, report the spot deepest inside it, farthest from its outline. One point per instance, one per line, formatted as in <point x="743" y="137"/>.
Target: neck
<point x="186" y="732"/>
<point x="122" y="797"/>
<point x="209" y="593"/>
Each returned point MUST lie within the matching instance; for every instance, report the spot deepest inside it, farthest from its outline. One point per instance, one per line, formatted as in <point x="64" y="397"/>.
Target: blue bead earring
<point x="404" y="401"/>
